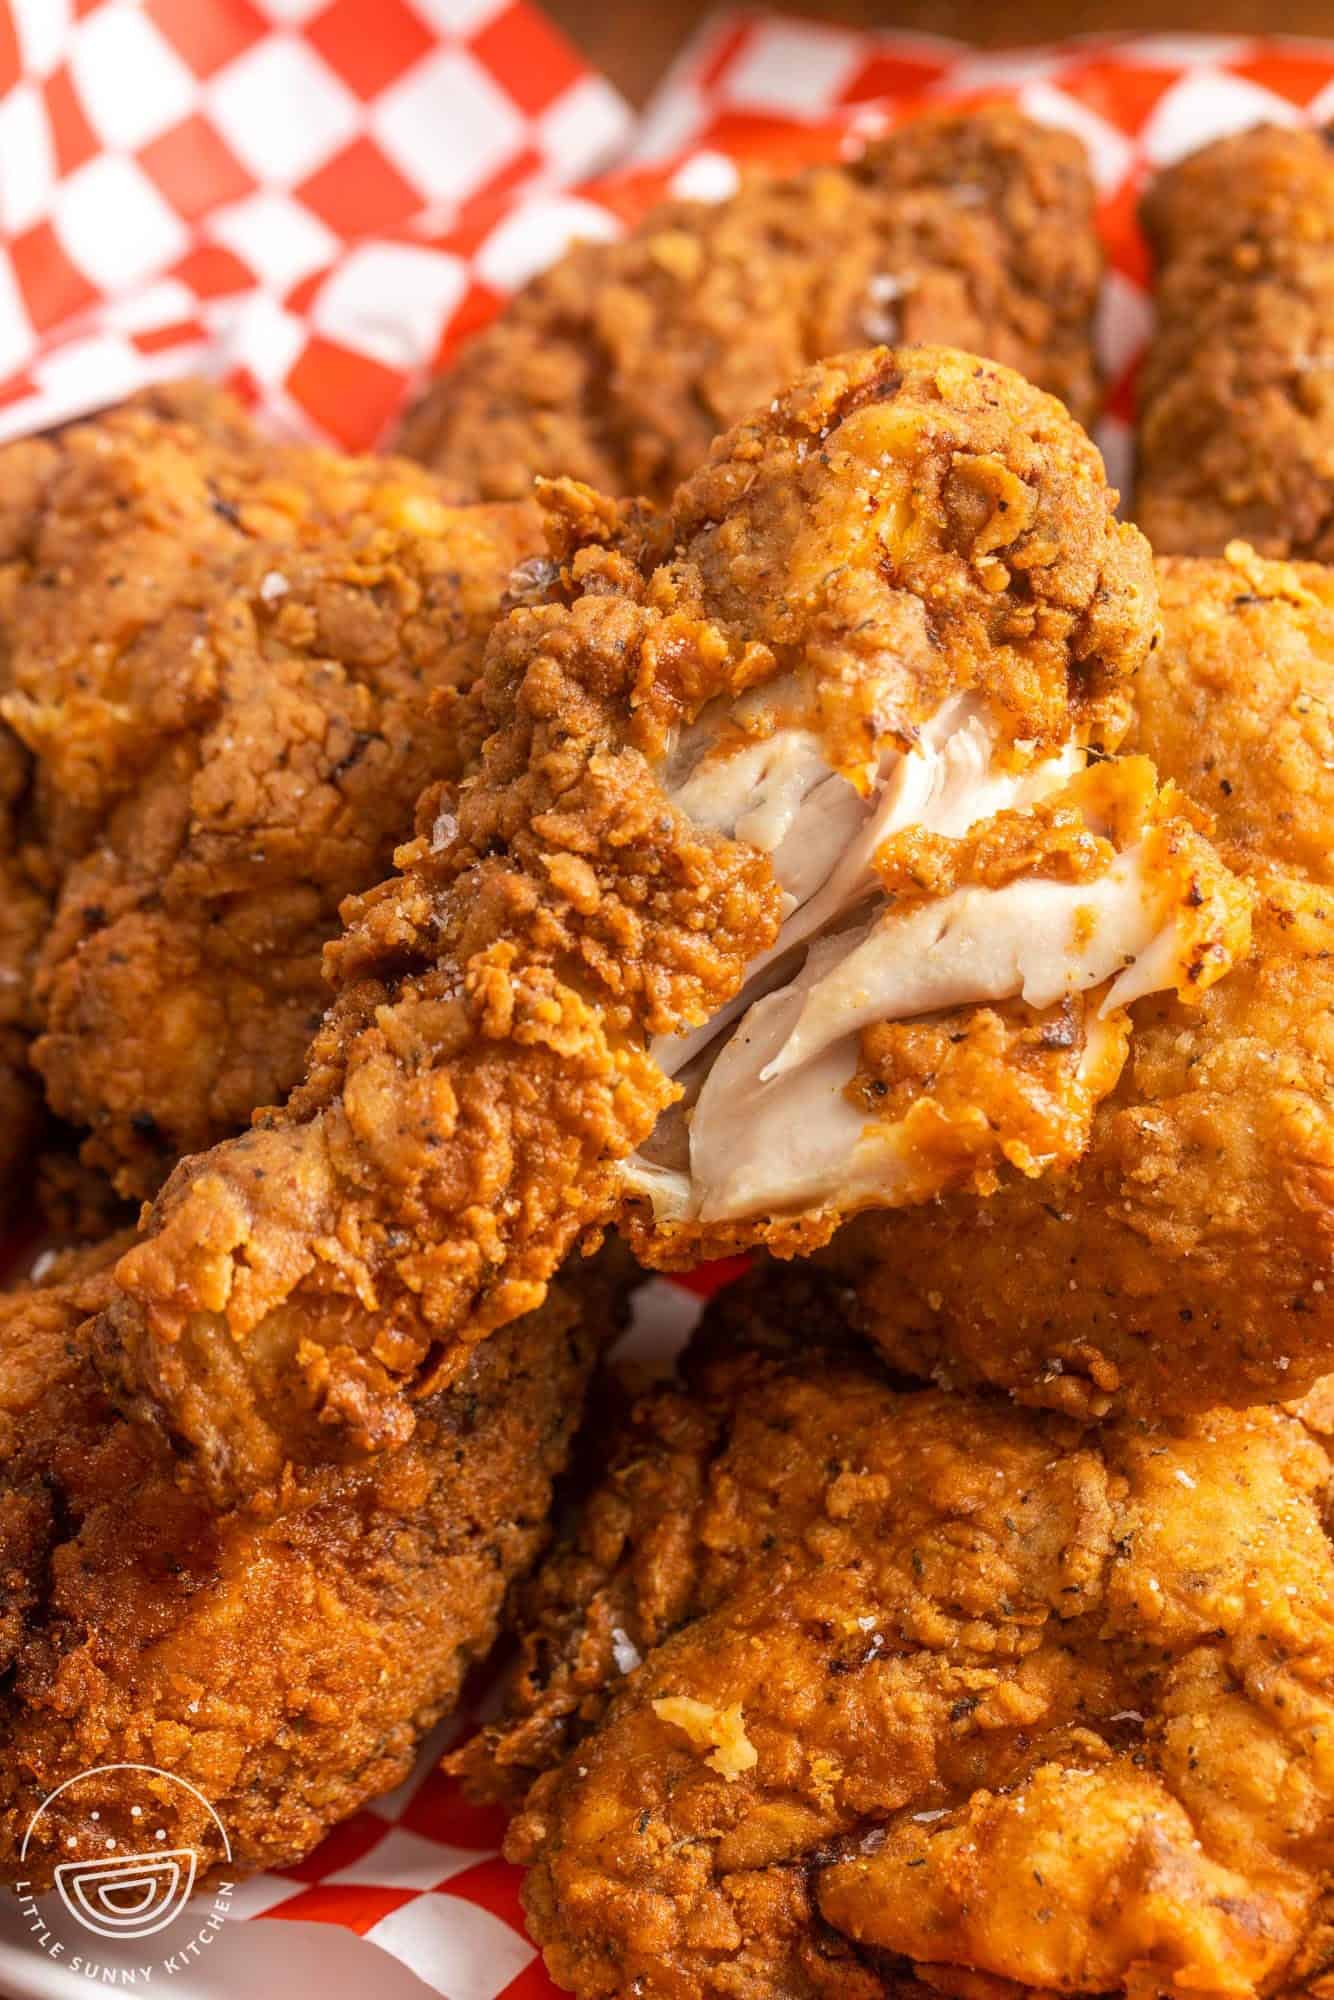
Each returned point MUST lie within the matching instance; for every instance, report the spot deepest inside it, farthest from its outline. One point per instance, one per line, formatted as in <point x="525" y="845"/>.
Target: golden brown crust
<point x="218" y="657"/>
<point x="1188" y="1258"/>
<point x="25" y="880"/>
<point x="621" y="364"/>
<point x="486" y="1067"/>
<point x="835" y="1685"/>
<point x="924" y="507"/>
<point x="1238" y="705"/>
<point x="1236" y="404"/>
<point x="23" y="917"/>
<point x="285" y="1664"/>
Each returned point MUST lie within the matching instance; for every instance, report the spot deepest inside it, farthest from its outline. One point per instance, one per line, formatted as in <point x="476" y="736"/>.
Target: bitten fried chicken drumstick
<point x="1188" y="1257"/>
<point x="840" y="1688"/>
<point x="216" y="659"/>
<point x="1236" y="399"/>
<point x="767" y="776"/>
<point x="621" y="364"/>
<point x="287" y="1665"/>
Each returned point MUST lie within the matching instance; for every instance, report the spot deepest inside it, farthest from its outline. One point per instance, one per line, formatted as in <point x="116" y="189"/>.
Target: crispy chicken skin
<point x="286" y="1664"/>
<point x="24" y="875"/>
<point x="899" y="534"/>
<point x="1236" y="399"/>
<point x="620" y="365"/>
<point x="1188" y="1258"/>
<point x="38" y="837"/>
<point x="217" y="657"/>
<point x="843" y="1687"/>
<point x="22" y="919"/>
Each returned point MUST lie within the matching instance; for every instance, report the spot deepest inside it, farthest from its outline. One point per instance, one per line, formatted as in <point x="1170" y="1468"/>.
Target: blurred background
<point x="634" y="45"/>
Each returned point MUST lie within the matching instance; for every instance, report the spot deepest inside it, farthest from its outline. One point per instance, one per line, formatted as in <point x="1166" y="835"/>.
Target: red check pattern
<point x="171" y="167"/>
<point x="162" y="210"/>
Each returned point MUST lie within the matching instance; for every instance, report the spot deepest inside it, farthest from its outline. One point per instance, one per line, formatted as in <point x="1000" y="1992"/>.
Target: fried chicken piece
<point x="21" y="1113"/>
<point x="1236" y="400"/>
<point x="895" y="607"/>
<point x="24" y="880"/>
<point x="286" y="1664"/>
<point x="1188" y="1257"/>
<point x="621" y="364"/>
<point x="219" y="656"/>
<point x="842" y="1688"/>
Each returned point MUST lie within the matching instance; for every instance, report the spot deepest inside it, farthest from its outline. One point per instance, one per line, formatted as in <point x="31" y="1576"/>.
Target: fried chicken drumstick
<point x="216" y="658"/>
<point x="620" y="365"/>
<point x="1236" y="401"/>
<point x="875" y="632"/>
<point x="841" y="1688"/>
<point x="287" y="1665"/>
<point x="1188" y="1257"/>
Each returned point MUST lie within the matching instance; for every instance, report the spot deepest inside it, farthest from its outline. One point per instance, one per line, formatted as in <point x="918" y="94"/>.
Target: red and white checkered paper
<point x="170" y="170"/>
<point x="321" y="201"/>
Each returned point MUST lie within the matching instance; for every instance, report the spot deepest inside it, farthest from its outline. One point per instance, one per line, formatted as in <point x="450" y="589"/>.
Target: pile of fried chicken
<point x="731" y="784"/>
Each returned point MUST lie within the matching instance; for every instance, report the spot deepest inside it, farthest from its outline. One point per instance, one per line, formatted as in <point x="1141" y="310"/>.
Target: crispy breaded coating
<point x="621" y="364"/>
<point x="23" y="915"/>
<point x="25" y="875"/>
<point x="286" y="1664"/>
<point x="843" y="1687"/>
<point x="1236" y="398"/>
<point x="1188" y="1258"/>
<point x="220" y="656"/>
<point x="1237" y="704"/>
<point x="900" y="532"/>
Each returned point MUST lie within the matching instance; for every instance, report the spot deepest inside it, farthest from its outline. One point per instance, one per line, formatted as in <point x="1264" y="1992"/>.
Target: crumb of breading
<point x="720" y="1731"/>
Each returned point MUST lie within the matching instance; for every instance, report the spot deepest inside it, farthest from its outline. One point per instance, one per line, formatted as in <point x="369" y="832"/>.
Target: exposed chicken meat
<point x="821" y="828"/>
<point x="772" y="1124"/>
<point x="900" y="532"/>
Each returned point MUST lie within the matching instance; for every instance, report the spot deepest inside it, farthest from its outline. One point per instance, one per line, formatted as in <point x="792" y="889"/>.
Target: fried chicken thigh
<point x="845" y="1688"/>
<point x="621" y="364"/>
<point x="217" y="656"/>
<point x="1188" y="1257"/>
<point x="286" y="1664"/>
<point x="1236" y="398"/>
<point x="806" y="752"/>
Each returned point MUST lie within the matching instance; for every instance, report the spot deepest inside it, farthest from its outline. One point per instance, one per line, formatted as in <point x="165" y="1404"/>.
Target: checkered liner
<point x="162" y="209"/>
<point x="171" y="169"/>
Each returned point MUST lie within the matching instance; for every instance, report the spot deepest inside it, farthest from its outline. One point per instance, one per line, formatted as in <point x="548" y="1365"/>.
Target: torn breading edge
<point x="799" y="1141"/>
